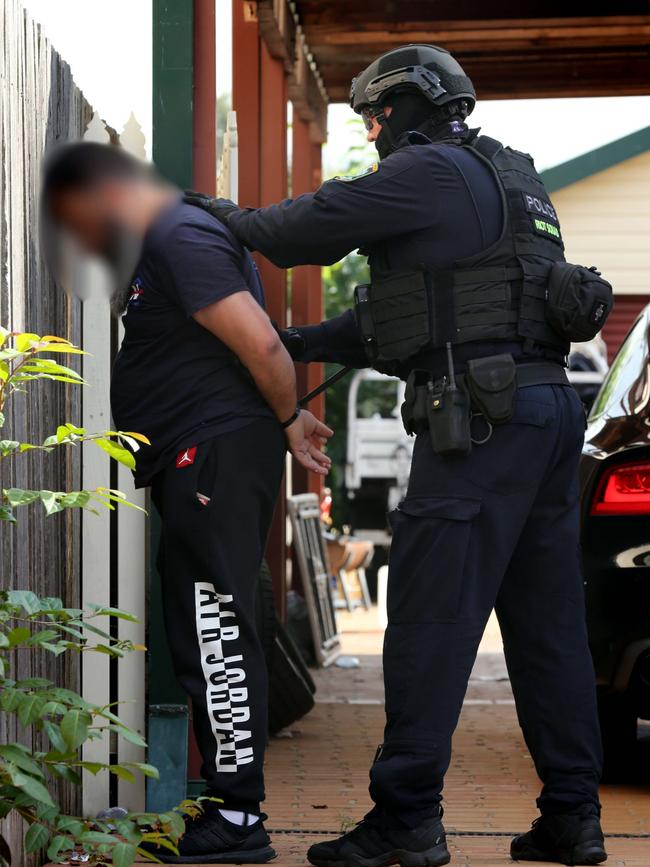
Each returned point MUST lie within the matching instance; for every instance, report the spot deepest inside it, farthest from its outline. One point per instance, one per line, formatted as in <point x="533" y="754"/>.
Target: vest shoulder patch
<point x="349" y="178"/>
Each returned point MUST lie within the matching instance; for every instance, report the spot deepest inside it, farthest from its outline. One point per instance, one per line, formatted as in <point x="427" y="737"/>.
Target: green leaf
<point x="8" y="446"/>
<point x="36" y="837"/>
<point x="53" y="731"/>
<point x="49" y="366"/>
<point x="128" y="735"/>
<point x="70" y="825"/>
<point x="75" y="499"/>
<point x="10" y="699"/>
<point x="95" y="837"/>
<point x="58" y="846"/>
<point x="8" y="354"/>
<point x="20" y="758"/>
<point x="7" y="514"/>
<point x="25" y="599"/>
<point x="34" y="683"/>
<point x="50" y="501"/>
<point x="123" y="773"/>
<point x="93" y="767"/>
<point x="18" y="635"/>
<point x="124" y="855"/>
<point x="42" y="637"/>
<point x="101" y="611"/>
<point x="24" y="342"/>
<point x="147" y="770"/>
<point x="19" y="497"/>
<point x="117" y="452"/>
<point x="175" y="822"/>
<point x="68" y="349"/>
<point x="74" y="727"/>
<point x="30" y="709"/>
<point x="35" y="790"/>
<point x="60" y="769"/>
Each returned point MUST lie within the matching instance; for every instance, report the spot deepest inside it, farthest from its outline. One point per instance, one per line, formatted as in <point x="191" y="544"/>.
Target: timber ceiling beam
<point x="284" y="36"/>
<point x="553" y="49"/>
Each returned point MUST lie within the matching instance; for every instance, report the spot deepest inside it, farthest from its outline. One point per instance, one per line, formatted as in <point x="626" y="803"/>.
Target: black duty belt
<point x="541" y="373"/>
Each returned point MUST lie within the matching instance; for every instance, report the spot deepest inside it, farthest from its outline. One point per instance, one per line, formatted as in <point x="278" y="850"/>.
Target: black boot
<point x="567" y="838"/>
<point x="211" y="839"/>
<point x="373" y="844"/>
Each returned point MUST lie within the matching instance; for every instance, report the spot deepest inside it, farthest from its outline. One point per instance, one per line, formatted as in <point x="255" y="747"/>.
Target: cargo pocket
<point x="429" y="554"/>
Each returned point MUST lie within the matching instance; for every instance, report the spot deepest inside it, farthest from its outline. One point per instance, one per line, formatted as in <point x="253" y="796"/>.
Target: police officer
<point x="462" y="241"/>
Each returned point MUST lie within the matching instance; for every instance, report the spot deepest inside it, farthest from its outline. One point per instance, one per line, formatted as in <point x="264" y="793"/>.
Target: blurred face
<point x="94" y="216"/>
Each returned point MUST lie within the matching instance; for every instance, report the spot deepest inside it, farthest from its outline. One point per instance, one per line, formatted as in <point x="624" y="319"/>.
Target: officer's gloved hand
<point x="293" y="342"/>
<point x="219" y="208"/>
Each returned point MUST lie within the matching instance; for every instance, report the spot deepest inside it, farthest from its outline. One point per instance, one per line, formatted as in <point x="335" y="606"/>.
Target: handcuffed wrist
<point x="285" y="424"/>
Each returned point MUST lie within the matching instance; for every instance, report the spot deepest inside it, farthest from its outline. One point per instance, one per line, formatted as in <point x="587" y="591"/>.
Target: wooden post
<point x="204" y="115"/>
<point x="306" y="287"/>
<point x="260" y="100"/>
<point x="246" y="100"/>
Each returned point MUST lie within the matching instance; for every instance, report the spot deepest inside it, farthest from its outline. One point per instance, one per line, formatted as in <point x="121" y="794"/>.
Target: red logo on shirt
<point x="185" y="458"/>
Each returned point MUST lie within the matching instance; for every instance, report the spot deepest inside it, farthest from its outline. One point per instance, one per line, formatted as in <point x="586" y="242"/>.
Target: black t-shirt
<point x="173" y="380"/>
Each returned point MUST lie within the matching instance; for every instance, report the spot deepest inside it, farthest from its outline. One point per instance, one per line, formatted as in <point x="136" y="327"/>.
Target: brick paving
<point x="317" y="773"/>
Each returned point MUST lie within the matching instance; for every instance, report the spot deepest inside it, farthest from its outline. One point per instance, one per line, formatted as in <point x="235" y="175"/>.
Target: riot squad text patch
<point x="543" y="216"/>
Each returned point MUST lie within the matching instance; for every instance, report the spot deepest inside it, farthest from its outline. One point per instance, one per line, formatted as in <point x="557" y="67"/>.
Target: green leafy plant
<point x="22" y="360"/>
<point x="29" y="624"/>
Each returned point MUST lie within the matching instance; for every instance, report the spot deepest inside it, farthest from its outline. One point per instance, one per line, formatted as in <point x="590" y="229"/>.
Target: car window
<point x="624" y="384"/>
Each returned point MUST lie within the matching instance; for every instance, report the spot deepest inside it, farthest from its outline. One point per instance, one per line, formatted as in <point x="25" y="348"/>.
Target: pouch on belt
<point x="492" y="384"/>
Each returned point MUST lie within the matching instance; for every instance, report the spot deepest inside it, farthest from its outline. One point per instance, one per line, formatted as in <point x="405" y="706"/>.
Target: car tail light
<point x="623" y="490"/>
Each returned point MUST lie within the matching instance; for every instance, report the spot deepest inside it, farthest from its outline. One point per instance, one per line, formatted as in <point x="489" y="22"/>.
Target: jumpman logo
<point x="185" y="458"/>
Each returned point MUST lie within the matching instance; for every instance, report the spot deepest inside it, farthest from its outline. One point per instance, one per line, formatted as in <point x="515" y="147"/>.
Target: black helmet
<point x="426" y="69"/>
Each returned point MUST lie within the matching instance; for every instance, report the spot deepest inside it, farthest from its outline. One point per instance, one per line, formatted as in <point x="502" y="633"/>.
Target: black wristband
<point x="285" y="424"/>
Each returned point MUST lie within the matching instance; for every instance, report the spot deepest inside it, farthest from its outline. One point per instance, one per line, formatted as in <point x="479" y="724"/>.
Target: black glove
<point x="293" y="342"/>
<point x="219" y="208"/>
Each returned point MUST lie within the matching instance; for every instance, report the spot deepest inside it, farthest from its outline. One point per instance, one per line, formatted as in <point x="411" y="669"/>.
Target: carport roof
<point x="510" y="49"/>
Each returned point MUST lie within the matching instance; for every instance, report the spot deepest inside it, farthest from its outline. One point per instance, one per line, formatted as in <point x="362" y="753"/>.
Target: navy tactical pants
<point x="498" y="529"/>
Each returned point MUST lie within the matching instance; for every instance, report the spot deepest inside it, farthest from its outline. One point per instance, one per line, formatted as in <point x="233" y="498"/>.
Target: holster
<point x="492" y="385"/>
<point x="414" y="409"/>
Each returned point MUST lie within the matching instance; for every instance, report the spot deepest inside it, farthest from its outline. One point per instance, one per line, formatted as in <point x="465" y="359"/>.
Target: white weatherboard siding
<point x="605" y="221"/>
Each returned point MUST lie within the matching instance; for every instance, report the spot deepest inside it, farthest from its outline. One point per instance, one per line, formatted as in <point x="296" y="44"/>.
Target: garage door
<point x="626" y="309"/>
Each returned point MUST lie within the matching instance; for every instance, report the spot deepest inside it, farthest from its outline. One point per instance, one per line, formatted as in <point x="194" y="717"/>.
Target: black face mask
<point x="409" y="110"/>
<point x="413" y="112"/>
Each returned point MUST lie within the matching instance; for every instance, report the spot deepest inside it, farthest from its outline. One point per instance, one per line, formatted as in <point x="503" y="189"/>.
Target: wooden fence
<point x="80" y="559"/>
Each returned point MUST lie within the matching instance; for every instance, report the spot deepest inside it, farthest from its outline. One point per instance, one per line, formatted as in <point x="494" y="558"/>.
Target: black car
<point x="615" y="487"/>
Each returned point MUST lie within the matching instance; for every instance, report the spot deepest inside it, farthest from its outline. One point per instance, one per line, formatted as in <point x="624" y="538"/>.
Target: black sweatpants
<point x="216" y="505"/>
<point x="498" y="529"/>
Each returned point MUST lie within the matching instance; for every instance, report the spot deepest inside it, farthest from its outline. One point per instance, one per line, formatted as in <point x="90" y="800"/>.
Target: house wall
<point x="606" y="222"/>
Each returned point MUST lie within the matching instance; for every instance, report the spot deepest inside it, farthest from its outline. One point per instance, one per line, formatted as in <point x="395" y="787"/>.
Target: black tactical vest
<point x="497" y="294"/>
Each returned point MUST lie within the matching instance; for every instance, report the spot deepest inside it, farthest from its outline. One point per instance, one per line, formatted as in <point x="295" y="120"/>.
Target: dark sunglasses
<point x="368" y="114"/>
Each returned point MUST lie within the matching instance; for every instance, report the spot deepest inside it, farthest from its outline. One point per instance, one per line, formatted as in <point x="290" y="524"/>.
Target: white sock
<point x="239" y="818"/>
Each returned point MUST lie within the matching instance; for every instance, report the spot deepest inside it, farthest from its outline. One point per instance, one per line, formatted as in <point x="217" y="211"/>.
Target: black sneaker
<point x="211" y="839"/>
<point x="567" y="838"/>
<point x="371" y="844"/>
